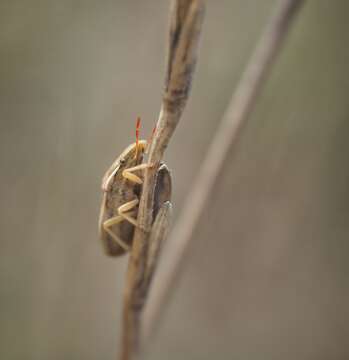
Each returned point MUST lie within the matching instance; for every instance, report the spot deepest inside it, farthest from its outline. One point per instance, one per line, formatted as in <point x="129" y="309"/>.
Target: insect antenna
<point x="138" y="125"/>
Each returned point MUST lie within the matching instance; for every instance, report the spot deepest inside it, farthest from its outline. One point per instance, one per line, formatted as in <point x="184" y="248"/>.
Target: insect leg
<point x="107" y="227"/>
<point x="129" y="173"/>
<point x="123" y="209"/>
<point x="123" y="215"/>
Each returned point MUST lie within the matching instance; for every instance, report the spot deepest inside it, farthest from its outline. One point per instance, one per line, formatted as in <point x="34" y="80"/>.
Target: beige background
<point x="267" y="276"/>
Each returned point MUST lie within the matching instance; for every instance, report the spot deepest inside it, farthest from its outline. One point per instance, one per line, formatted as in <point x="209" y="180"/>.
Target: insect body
<point x="121" y="187"/>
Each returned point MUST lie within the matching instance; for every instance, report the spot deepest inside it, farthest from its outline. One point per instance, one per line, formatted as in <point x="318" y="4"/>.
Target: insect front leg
<point x="129" y="173"/>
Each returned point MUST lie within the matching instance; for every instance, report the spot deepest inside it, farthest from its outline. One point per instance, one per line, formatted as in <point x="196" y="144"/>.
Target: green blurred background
<point x="267" y="273"/>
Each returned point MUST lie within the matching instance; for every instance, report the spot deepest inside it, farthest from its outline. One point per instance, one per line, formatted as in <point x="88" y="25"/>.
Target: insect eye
<point x="122" y="161"/>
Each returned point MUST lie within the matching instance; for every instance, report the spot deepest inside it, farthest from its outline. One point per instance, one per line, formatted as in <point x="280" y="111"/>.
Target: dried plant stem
<point x="185" y="27"/>
<point x="235" y="117"/>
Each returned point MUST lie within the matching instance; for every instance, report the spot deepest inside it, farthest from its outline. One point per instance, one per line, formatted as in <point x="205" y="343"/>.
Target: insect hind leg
<point x="107" y="225"/>
<point x="124" y="211"/>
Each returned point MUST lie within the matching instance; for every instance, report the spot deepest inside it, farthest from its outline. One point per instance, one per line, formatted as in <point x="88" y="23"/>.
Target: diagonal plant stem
<point x="185" y="28"/>
<point x="235" y="117"/>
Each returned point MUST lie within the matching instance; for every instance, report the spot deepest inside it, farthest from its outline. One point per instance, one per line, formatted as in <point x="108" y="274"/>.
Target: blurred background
<point x="267" y="273"/>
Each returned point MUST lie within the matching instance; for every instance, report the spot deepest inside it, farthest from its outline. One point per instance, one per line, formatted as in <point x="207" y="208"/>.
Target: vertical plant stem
<point x="185" y="28"/>
<point x="235" y="117"/>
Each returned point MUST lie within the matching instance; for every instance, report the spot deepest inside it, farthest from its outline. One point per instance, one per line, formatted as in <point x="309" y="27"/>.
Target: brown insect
<point x="122" y="186"/>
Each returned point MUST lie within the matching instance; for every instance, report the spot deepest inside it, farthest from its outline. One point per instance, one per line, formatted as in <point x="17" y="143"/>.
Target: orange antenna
<point x="138" y="125"/>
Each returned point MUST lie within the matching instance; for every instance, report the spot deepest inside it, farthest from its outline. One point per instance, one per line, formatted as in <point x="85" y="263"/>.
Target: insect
<point x="121" y="186"/>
